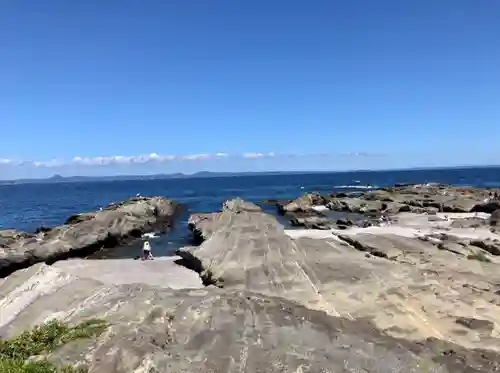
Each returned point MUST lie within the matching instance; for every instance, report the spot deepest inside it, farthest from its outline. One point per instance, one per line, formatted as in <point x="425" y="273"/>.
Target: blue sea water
<point x="29" y="206"/>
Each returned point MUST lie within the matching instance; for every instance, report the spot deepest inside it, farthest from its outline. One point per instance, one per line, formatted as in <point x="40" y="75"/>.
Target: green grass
<point x="479" y="256"/>
<point x="42" y="340"/>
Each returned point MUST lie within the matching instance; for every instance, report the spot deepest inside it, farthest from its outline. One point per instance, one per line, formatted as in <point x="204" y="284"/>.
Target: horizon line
<point x="223" y="174"/>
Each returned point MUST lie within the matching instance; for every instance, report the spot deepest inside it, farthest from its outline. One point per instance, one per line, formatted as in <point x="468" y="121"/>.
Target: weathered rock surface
<point x="303" y="203"/>
<point x="10" y="236"/>
<point x="202" y="225"/>
<point x="154" y="329"/>
<point x="422" y="198"/>
<point x="311" y="220"/>
<point x="162" y="271"/>
<point x="407" y="286"/>
<point x="86" y="233"/>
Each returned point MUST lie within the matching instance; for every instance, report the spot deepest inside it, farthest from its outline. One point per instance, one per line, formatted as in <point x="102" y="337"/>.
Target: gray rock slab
<point x="410" y="288"/>
<point x="163" y="272"/>
<point x="153" y="329"/>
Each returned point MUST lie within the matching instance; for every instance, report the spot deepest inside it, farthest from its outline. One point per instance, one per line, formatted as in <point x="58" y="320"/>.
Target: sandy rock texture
<point x="411" y="287"/>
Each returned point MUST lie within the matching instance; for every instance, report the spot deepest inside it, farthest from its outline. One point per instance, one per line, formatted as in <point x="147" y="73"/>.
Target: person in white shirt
<point x="146" y="251"/>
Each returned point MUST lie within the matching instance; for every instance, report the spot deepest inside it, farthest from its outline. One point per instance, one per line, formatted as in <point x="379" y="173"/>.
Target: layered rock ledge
<point x="409" y="286"/>
<point x="86" y="233"/>
<point x="156" y="329"/>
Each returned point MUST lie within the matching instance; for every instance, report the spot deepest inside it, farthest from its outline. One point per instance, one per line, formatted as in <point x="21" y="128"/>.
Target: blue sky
<point x="103" y="87"/>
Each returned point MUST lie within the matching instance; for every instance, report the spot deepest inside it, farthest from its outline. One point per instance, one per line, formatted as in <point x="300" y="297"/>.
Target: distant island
<point x="209" y="174"/>
<point x="201" y="174"/>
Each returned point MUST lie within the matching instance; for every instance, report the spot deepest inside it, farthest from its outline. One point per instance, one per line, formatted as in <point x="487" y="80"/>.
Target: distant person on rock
<point x="146" y="251"/>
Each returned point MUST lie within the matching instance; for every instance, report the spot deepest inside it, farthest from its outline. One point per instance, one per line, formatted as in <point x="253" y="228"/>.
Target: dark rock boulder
<point x="311" y="220"/>
<point x="488" y="207"/>
<point x="495" y="218"/>
<point x="42" y="230"/>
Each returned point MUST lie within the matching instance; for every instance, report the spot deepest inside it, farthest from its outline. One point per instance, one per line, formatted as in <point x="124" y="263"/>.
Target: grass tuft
<point x="479" y="256"/>
<point x="44" y="339"/>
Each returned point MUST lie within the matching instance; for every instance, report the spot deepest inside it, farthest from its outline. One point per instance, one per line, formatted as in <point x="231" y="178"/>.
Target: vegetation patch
<point x="479" y="256"/>
<point x="15" y="353"/>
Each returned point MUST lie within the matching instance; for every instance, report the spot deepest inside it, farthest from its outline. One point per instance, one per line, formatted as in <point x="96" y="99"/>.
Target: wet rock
<point x="42" y="230"/>
<point x="345" y="222"/>
<point x="79" y="218"/>
<point x="110" y="227"/>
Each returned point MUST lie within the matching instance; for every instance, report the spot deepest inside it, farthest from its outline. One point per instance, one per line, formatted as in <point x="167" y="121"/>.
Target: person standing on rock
<point x="146" y="251"/>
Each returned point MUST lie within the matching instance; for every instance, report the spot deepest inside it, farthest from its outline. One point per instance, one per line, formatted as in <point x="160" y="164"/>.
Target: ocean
<point x="28" y="206"/>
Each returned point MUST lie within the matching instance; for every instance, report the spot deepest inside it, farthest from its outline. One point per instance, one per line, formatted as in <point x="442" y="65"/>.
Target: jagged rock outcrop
<point x="420" y="198"/>
<point x="303" y="203"/>
<point x="86" y="233"/>
<point x="202" y="225"/>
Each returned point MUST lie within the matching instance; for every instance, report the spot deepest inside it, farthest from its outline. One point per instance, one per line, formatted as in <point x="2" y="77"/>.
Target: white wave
<point x="355" y="187"/>
<point x="149" y="235"/>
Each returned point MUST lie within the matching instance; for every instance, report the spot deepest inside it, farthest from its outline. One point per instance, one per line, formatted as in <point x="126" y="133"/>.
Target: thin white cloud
<point x="362" y="154"/>
<point x="152" y="158"/>
<point x="113" y="160"/>
<point x="196" y="157"/>
<point x="253" y="155"/>
<point x="51" y="163"/>
<point x="259" y="155"/>
<point x="121" y="159"/>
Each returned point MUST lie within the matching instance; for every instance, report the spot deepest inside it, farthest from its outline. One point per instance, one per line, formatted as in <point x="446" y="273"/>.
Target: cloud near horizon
<point x="151" y="158"/>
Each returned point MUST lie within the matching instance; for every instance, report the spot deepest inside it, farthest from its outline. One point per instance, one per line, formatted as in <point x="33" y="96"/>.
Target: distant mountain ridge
<point x="206" y="174"/>
<point x="201" y="174"/>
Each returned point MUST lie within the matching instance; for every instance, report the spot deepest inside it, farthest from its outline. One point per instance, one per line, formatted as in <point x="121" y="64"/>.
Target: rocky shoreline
<point x="84" y="234"/>
<point x="407" y="280"/>
<point x="366" y="208"/>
